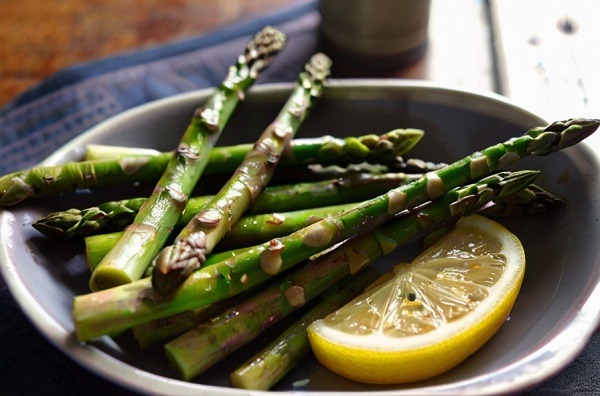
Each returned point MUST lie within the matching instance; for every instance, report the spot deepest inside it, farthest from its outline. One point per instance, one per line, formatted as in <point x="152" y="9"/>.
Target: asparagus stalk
<point x="318" y="172"/>
<point x="124" y="307"/>
<point x="200" y="348"/>
<point x="74" y="223"/>
<point x="174" y="263"/>
<point x="103" y="152"/>
<point x="387" y="148"/>
<point x="254" y="229"/>
<point x="55" y="179"/>
<point x="351" y="188"/>
<point x="141" y="241"/>
<point x="166" y="329"/>
<point x="279" y="357"/>
<point x="109" y="165"/>
<point x="119" y="308"/>
<point x="247" y="231"/>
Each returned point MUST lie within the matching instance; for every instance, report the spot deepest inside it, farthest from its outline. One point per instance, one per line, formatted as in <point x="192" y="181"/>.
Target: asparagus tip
<point x="570" y="132"/>
<point x="265" y="44"/>
<point x="318" y="67"/>
<point x="175" y="263"/>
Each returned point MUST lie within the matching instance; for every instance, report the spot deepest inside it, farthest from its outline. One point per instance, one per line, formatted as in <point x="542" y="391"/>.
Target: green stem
<point x="326" y="150"/>
<point x="248" y="231"/>
<point x="174" y="263"/>
<point x="119" y="308"/>
<point x="350" y="188"/>
<point x="200" y="348"/>
<point x="166" y="329"/>
<point x="529" y="201"/>
<point x="279" y="357"/>
<point x="134" y="251"/>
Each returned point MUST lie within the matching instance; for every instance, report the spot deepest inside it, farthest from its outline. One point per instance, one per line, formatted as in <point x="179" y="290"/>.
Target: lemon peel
<point x="430" y="315"/>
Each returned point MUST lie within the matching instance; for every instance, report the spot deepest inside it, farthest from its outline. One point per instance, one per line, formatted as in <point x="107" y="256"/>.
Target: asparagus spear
<point x="154" y="331"/>
<point x="351" y="188"/>
<point x="318" y="172"/>
<point x="380" y="149"/>
<point x="109" y="165"/>
<point x="255" y="229"/>
<point x="166" y="329"/>
<point x="249" y="230"/>
<point x="274" y="361"/>
<point x="128" y="260"/>
<point x="103" y="152"/>
<point x="174" y="263"/>
<point x="124" y="307"/>
<point x="119" y="308"/>
<point x="73" y="223"/>
<point x="200" y="348"/>
<point x="210" y="342"/>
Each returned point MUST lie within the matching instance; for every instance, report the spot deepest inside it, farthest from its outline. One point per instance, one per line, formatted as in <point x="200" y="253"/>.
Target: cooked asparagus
<point x="198" y="349"/>
<point x="175" y="262"/>
<point x="351" y="188"/>
<point x="249" y="230"/>
<point x="387" y="148"/>
<point x="203" y="346"/>
<point x="123" y="307"/>
<point x="134" y="251"/>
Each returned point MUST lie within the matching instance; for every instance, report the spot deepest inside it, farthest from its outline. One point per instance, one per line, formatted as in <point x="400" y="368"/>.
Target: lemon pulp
<point x="429" y="315"/>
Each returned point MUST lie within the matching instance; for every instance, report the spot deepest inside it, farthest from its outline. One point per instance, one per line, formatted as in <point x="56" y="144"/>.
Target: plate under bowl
<point x="554" y="316"/>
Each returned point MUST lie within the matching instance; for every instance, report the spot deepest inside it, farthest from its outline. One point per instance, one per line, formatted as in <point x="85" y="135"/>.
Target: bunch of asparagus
<point x="206" y="275"/>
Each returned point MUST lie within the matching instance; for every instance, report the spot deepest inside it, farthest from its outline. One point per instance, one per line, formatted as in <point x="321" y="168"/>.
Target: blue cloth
<point x="44" y="118"/>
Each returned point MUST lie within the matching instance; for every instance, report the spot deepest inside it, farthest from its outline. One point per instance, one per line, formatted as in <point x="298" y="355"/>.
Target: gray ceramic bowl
<point x="554" y="316"/>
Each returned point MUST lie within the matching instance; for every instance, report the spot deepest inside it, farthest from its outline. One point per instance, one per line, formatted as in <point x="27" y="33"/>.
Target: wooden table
<point x="38" y="38"/>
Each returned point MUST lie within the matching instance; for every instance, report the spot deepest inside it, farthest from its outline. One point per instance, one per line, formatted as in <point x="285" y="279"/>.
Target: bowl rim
<point x="513" y="377"/>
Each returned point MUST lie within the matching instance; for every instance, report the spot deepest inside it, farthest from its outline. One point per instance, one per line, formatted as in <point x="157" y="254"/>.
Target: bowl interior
<point x="552" y="310"/>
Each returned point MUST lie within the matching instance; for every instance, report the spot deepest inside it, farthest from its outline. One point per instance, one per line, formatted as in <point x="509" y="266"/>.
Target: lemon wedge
<point x="430" y="315"/>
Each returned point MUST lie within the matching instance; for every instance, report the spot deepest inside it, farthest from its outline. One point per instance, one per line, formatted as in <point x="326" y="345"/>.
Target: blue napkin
<point x="44" y="118"/>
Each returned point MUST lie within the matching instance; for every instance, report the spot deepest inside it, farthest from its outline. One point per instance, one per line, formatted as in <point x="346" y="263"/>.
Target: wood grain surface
<point x="38" y="38"/>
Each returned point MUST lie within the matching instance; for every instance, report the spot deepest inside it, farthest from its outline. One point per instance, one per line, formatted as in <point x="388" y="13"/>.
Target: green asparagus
<point x="55" y="179"/>
<point x="134" y="251"/>
<point x="175" y="262"/>
<point x="351" y="188"/>
<point x="74" y="223"/>
<point x="387" y="148"/>
<point x="166" y="329"/>
<point x="249" y="230"/>
<point x="198" y="349"/>
<point x="110" y="165"/>
<point x="124" y="307"/>
<point x="203" y="346"/>
<point x="531" y="200"/>
<point x="280" y="356"/>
